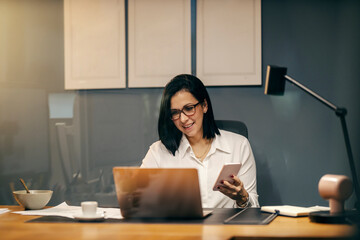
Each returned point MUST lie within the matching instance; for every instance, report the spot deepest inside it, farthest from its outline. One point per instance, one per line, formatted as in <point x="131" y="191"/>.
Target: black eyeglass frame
<point x="178" y="112"/>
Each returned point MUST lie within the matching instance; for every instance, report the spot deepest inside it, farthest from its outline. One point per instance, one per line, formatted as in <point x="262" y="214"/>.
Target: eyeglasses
<point x="188" y="110"/>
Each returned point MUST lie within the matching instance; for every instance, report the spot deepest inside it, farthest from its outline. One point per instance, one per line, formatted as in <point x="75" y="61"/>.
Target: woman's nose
<point x="183" y="117"/>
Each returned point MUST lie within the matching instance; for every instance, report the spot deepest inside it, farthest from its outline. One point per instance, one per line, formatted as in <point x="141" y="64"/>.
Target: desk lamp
<point x="275" y="85"/>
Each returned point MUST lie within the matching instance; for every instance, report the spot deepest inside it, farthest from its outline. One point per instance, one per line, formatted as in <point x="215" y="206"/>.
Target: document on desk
<point x="4" y="210"/>
<point x="64" y="210"/>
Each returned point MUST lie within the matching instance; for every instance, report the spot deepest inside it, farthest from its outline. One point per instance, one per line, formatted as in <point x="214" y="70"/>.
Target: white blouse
<point x="225" y="148"/>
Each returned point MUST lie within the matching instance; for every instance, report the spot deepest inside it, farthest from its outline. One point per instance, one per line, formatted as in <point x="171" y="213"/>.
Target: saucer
<point x="96" y="217"/>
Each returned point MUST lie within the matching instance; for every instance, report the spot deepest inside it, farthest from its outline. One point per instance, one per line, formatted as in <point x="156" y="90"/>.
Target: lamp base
<point x="348" y="217"/>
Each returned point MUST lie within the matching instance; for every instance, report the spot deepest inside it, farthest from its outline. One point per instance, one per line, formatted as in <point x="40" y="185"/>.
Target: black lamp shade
<point x="275" y="80"/>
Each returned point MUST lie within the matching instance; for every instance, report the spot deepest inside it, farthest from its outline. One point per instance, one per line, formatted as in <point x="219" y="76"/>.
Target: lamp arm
<point x="316" y="96"/>
<point x="341" y="113"/>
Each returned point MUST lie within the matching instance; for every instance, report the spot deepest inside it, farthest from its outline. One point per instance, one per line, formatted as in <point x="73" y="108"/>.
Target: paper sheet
<point x="4" y="210"/>
<point x="65" y="210"/>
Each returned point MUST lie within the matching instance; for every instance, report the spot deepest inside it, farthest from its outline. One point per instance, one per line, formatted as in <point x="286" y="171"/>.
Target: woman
<point x="189" y="138"/>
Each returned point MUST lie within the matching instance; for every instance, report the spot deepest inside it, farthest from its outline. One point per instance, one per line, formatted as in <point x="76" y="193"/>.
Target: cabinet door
<point x="159" y="41"/>
<point x="94" y="44"/>
<point x="229" y="42"/>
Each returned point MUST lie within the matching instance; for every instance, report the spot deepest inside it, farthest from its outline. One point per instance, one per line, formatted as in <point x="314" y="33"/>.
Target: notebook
<point x="293" y="211"/>
<point x="158" y="192"/>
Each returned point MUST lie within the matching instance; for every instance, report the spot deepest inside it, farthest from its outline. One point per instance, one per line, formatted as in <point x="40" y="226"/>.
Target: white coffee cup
<point x="89" y="208"/>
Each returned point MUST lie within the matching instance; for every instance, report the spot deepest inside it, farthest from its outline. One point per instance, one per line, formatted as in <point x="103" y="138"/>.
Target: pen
<point x="271" y="217"/>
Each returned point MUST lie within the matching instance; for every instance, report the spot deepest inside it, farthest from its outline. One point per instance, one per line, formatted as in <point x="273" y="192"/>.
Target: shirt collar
<point x="184" y="146"/>
<point x="219" y="143"/>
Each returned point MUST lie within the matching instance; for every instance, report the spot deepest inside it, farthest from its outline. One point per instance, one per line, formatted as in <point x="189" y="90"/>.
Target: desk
<point x="13" y="226"/>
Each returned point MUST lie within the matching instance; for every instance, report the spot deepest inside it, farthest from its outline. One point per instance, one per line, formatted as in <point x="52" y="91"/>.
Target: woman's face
<point x="191" y="126"/>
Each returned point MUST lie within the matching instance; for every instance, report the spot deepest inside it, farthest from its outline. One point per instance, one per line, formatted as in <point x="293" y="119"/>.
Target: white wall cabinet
<point x="159" y="41"/>
<point x="94" y="34"/>
<point x="229" y="42"/>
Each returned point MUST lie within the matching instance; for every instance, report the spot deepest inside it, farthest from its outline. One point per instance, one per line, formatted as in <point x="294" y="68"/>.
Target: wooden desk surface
<point x="13" y="226"/>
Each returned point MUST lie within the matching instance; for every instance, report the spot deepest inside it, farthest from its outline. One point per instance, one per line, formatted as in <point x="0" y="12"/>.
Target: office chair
<point x="233" y="126"/>
<point x="69" y="154"/>
<point x="69" y="148"/>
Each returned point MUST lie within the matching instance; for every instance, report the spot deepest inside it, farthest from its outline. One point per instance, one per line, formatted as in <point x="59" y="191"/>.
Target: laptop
<point x="158" y="192"/>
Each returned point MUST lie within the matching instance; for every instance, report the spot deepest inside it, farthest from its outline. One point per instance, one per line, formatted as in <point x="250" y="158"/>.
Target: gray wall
<point x="295" y="139"/>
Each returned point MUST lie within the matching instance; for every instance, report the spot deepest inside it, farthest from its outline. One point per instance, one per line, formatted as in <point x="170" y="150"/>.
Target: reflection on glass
<point x="65" y="141"/>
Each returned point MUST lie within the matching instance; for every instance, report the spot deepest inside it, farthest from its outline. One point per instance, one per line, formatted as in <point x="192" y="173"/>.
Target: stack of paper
<point x="65" y="210"/>
<point x="293" y="211"/>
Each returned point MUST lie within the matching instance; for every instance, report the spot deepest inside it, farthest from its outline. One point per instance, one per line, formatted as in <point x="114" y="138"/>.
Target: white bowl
<point x="36" y="199"/>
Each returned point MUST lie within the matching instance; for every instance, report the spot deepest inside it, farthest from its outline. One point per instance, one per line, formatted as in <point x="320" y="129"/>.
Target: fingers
<point x="232" y="189"/>
<point x="235" y="186"/>
<point x="237" y="181"/>
<point x="230" y="192"/>
<point x="234" y="182"/>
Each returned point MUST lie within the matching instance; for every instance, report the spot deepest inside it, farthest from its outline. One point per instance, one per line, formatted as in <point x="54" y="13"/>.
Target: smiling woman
<point x="185" y="90"/>
<point x="189" y="124"/>
<point x="189" y="138"/>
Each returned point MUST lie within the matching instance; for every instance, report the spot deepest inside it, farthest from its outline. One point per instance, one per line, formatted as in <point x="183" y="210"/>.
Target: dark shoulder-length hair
<point x="169" y="135"/>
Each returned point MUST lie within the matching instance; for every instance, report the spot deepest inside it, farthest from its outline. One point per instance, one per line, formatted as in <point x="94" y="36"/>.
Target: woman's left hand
<point x="235" y="190"/>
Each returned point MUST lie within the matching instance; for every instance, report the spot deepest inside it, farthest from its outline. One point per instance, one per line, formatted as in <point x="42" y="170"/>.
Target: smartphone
<point x="225" y="174"/>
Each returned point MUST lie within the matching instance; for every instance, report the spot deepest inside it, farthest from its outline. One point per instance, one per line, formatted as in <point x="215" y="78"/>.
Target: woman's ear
<point x="204" y="106"/>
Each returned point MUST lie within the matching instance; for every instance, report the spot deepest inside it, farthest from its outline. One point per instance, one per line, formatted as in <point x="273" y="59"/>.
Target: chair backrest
<point x="233" y="126"/>
<point x="70" y="159"/>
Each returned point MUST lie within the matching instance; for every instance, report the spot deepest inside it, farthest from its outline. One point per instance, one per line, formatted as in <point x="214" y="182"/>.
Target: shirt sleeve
<point x="247" y="173"/>
<point x="150" y="160"/>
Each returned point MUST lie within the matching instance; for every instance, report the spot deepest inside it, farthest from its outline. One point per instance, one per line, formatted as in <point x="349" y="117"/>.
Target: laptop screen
<point x="158" y="192"/>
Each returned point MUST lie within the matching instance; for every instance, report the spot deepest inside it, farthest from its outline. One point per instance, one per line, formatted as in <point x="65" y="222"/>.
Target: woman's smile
<point x="190" y="125"/>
